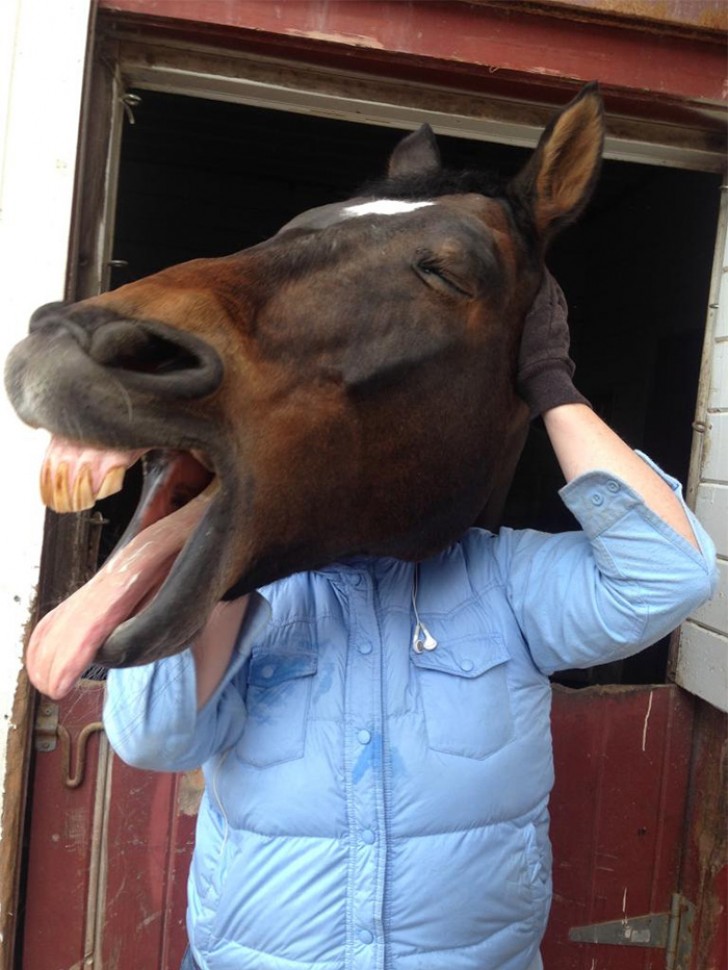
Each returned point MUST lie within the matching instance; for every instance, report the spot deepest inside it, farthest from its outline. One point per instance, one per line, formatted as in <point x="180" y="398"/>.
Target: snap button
<point x="367" y="836"/>
<point x="365" y="936"/>
<point x="613" y="486"/>
<point x="364" y="737"/>
<point x="597" y="499"/>
<point x="466" y="665"/>
<point x="268" y="671"/>
<point x="365" y="647"/>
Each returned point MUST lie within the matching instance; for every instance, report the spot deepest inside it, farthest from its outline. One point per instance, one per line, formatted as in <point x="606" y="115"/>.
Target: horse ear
<point x="558" y="179"/>
<point x="417" y="154"/>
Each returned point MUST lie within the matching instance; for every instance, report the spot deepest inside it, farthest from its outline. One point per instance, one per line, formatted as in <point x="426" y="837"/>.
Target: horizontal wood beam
<point x="512" y="41"/>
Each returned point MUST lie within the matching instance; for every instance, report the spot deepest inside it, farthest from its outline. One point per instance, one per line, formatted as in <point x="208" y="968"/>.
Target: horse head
<point x="344" y="388"/>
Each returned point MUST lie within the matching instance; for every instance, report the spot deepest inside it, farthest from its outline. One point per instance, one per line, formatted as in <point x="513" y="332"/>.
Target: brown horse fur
<point x="350" y="382"/>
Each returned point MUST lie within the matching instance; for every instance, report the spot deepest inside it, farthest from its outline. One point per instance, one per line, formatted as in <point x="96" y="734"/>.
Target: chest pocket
<point x="277" y="700"/>
<point x="464" y="693"/>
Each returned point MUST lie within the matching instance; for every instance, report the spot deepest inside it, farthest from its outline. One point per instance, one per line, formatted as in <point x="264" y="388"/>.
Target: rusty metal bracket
<point x="75" y="779"/>
<point x="47" y="733"/>
<point x="671" y="931"/>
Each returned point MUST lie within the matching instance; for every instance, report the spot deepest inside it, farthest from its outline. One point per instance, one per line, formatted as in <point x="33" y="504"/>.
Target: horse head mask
<point x="344" y="388"/>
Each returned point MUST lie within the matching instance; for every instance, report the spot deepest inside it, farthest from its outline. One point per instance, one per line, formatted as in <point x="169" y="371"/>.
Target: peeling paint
<point x="191" y="787"/>
<point x="149" y="919"/>
<point x="695" y="14"/>
<point x="646" y="721"/>
<point x="354" y="40"/>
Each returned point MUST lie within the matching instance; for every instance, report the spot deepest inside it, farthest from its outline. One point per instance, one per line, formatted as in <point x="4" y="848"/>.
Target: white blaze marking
<point x="384" y="207"/>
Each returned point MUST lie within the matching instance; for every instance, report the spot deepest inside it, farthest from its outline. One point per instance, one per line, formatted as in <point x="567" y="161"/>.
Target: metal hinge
<point x="671" y="931"/>
<point x="45" y="732"/>
<point x="48" y="731"/>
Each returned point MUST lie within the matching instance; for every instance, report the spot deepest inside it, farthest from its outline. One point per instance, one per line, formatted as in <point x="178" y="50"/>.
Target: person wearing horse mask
<point x="374" y="730"/>
<point x="377" y="797"/>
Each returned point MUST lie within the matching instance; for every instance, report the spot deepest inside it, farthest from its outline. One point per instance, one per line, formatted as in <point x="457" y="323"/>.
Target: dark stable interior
<point x="204" y="178"/>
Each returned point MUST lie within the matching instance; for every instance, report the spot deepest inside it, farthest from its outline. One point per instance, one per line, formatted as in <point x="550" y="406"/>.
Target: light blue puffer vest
<point x="369" y="807"/>
<point x="376" y="811"/>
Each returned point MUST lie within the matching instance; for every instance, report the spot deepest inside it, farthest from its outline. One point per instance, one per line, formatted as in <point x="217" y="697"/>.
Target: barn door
<point x="637" y="812"/>
<point x="108" y="849"/>
<point x="108" y="853"/>
<point x="622" y="759"/>
<point x="110" y="846"/>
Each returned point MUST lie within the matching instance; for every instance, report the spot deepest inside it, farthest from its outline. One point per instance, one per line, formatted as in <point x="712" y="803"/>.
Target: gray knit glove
<point x="544" y="366"/>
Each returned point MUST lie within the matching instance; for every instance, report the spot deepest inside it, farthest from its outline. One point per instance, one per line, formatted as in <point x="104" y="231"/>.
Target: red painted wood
<point x="618" y="808"/>
<point x="482" y="41"/>
<point x="60" y="850"/>
<point x="622" y="759"/>
<point x="705" y="860"/>
<point x="144" y="857"/>
<point x="142" y="871"/>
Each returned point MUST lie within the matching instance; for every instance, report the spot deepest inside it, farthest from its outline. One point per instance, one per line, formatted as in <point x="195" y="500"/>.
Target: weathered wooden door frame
<point x="120" y="64"/>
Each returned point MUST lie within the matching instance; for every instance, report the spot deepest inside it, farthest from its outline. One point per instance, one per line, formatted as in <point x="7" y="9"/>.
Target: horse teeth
<point x="46" y="487"/>
<point x="112" y="483"/>
<point x="61" y="492"/>
<point x="57" y="493"/>
<point x="83" y="493"/>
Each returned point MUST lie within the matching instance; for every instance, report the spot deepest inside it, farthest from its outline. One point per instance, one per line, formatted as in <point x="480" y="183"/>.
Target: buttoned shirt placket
<point x="364" y="779"/>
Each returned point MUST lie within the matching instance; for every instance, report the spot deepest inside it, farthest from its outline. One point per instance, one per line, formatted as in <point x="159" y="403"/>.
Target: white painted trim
<point x="224" y="76"/>
<point x="702" y="656"/>
<point x="42" y="54"/>
<point x="701" y="666"/>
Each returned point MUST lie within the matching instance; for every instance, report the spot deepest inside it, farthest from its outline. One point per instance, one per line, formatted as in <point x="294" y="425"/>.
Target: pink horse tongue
<point x="67" y="639"/>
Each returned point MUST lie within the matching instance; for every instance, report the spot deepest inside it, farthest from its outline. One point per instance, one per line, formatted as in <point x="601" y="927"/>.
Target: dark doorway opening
<point x="203" y="178"/>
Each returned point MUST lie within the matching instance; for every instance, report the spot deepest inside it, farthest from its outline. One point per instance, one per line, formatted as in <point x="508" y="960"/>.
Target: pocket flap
<point x="464" y="657"/>
<point x="271" y="669"/>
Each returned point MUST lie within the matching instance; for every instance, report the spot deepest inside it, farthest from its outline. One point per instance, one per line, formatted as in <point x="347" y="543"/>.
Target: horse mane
<point x="434" y="184"/>
<point x="418" y="188"/>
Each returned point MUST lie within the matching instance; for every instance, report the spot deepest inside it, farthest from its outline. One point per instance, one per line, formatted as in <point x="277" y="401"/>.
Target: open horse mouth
<point x="315" y="370"/>
<point x="178" y="490"/>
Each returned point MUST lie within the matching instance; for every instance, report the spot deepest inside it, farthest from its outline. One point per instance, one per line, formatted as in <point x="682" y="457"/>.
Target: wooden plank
<point x="704" y="868"/>
<point x="700" y="14"/>
<point x="711" y="508"/>
<point x="622" y="756"/>
<point x="702" y="664"/>
<point x="513" y="40"/>
<point x="718" y="398"/>
<point x="149" y="839"/>
<point x="108" y="861"/>
<point x="715" y="613"/>
<point x="63" y="847"/>
<point x="715" y="455"/>
<point x="721" y="324"/>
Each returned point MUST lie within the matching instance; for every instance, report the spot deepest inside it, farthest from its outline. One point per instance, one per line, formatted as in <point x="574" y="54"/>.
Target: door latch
<point x="48" y="731"/>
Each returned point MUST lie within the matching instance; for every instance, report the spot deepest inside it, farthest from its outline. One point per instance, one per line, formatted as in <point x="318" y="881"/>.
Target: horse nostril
<point x="131" y="347"/>
<point x="155" y="356"/>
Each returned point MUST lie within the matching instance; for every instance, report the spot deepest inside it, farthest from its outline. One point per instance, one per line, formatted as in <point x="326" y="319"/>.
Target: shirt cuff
<point x="599" y="498"/>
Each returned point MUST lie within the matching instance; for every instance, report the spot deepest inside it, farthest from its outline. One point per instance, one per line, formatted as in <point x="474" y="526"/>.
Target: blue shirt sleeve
<point x="625" y="581"/>
<point x="150" y="712"/>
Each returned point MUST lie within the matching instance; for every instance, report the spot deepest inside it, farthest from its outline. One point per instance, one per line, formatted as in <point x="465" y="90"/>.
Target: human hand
<point x="545" y="369"/>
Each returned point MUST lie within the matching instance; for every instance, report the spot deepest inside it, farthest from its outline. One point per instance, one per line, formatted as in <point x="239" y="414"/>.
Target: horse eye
<point x="437" y="277"/>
